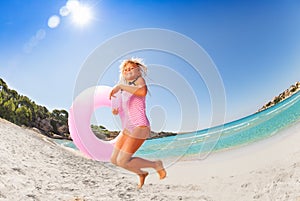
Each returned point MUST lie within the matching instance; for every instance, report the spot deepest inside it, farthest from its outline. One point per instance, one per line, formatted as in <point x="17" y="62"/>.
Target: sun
<point x="80" y="14"/>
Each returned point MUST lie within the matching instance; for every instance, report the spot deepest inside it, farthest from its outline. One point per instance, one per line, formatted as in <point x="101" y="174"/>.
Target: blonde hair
<point x="135" y="61"/>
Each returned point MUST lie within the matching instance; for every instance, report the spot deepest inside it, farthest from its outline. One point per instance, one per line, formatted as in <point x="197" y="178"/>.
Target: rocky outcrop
<point x="287" y="93"/>
<point x="154" y="135"/>
<point x="52" y="128"/>
<point x="104" y="134"/>
<point x="43" y="125"/>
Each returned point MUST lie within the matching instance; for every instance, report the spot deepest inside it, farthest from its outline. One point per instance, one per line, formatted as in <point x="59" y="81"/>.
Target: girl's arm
<point x="139" y="90"/>
<point x="116" y="103"/>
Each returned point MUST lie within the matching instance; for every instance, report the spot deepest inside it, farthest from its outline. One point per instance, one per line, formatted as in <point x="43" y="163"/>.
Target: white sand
<point x="33" y="168"/>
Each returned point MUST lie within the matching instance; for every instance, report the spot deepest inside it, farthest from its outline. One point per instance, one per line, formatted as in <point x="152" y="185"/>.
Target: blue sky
<point x="253" y="44"/>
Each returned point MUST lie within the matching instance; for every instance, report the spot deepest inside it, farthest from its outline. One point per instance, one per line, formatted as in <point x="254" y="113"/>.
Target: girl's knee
<point x="113" y="160"/>
<point x="122" y="162"/>
<point x="119" y="161"/>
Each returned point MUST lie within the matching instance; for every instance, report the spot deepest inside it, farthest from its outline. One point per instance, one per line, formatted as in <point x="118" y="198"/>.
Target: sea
<point x="251" y="129"/>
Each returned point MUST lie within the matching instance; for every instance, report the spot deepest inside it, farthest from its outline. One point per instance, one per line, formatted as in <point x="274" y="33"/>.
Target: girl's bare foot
<point x="142" y="179"/>
<point x="160" y="170"/>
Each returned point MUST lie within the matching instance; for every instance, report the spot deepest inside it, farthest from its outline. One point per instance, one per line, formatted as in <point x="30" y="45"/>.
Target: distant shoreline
<point x="282" y="96"/>
<point x="54" y="124"/>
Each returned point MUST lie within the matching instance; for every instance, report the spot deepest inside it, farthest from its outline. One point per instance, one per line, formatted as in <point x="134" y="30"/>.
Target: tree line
<point x="20" y="110"/>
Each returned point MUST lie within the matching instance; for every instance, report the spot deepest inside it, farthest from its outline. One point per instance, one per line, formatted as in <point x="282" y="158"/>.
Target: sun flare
<point x="81" y="14"/>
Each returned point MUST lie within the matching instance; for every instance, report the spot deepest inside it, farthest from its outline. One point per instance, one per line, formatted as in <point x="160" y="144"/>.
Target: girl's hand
<point x="114" y="91"/>
<point x="115" y="111"/>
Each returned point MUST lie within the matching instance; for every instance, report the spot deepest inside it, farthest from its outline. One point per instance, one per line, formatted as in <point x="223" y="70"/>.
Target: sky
<point x="253" y="48"/>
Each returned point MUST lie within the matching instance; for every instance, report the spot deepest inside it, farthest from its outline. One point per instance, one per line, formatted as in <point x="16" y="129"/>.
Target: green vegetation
<point x="282" y="96"/>
<point x="21" y="110"/>
<point x="102" y="133"/>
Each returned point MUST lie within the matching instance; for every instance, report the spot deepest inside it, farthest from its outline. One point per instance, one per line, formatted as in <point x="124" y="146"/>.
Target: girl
<point x="135" y="124"/>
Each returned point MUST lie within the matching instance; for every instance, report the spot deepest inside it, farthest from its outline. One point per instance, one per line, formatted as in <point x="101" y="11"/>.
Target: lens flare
<point x="64" y="11"/>
<point x="53" y="21"/>
<point x="72" y="4"/>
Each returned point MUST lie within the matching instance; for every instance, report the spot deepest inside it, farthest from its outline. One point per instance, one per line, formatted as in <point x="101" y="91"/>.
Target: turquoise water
<point x="241" y="132"/>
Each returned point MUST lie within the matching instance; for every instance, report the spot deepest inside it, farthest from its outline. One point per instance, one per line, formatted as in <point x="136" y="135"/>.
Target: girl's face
<point x="131" y="71"/>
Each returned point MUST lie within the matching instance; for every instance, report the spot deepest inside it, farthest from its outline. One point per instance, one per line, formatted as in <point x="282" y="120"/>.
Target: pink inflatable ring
<point x="79" y="123"/>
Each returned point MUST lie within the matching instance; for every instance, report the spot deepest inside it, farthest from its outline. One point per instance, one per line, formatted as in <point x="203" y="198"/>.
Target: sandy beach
<point x="32" y="167"/>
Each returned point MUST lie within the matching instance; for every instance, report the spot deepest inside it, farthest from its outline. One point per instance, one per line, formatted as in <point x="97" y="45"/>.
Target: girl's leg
<point x="119" y="143"/>
<point x="115" y="155"/>
<point x="140" y="163"/>
<point x="123" y="161"/>
<point x="135" y="164"/>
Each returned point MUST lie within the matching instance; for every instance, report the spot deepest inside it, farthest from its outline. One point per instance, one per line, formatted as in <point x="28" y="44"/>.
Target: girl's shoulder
<point x="140" y="81"/>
